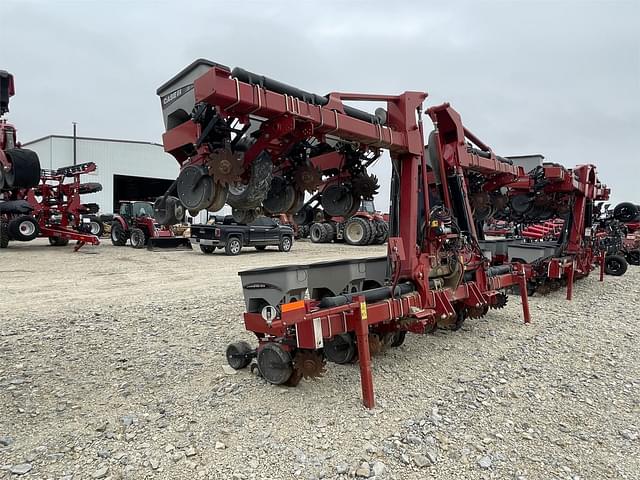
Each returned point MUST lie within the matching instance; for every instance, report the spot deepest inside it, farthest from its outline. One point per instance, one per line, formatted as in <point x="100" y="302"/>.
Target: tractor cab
<point x="368" y="206"/>
<point x="131" y="210"/>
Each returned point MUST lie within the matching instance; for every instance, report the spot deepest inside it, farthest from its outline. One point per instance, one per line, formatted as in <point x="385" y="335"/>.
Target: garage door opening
<point x="128" y="187"/>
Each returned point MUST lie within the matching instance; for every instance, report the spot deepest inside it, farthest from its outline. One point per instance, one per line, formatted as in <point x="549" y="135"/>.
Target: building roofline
<point x="117" y="140"/>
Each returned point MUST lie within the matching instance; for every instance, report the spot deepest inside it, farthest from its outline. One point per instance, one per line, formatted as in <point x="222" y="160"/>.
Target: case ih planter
<point x="224" y="127"/>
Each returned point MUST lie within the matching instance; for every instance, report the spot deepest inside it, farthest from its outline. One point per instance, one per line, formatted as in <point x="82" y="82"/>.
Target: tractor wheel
<point x="260" y="248"/>
<point x="138" y="238"/>
<point x="252" y="194"/>
<point x="58" y="241"/>
<point x="25" y="168"/>
<point x="4" y="235"/>
<point x="233" y="246"/>
<point x="615" y="265"/>
<point x="207" y="249"/>
<point x="317" y="233"/>
<point x="238" y="355"/>
<point x="118" y="234"/>
<point x="357" y="231"/>
<point x="91" y="187"/>
<point x="286" y="242"/>
<point x="626" y="212"/>
<point x="23" y="228"/>
<point x="633" y="257"/>
<point x="330" y="228"/>
<point x="96" y="227"/>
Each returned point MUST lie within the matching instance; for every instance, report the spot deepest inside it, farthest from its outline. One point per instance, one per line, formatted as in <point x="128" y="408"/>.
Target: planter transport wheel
<point x="23" y="228"/>
<point x="274" y="364"/>
<point x="337" y="200"/>
<point x="25" y="168"/>
<point x="281" y="196"/>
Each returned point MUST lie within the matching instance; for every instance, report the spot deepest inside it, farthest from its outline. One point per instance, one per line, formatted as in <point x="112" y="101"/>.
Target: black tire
<point x="633" y="257"/>
<point x="233" y="246"/>
<point x="381" y="233"/>
<point x="340" y="349"/>
<point x="4" y="234"/>
<point x="138" y="238"/>
<point x="89" y="208"/>
<point x="25" y="168"/>
<point x="331" y="231"/>
<point x="626" y="212"/>
<point x="96" y="227"/>
<point x="615" y="265"/>
<point x="357" y="231"/>
<point x="58" y="241"/>
<point x="274" y="364"/>
<point x="118" y="234"/>
<point x="261" y="247"/>
<point x="106" y="217"/>
<point x="244" y="216"/>
<point x="89" y="187"/>
<point x="23" y="228"/>
<point x="169" y="211"/>
<point x="207" y="249"/>
<point x="317" y="233"/>
<point x="398" y="338"/>
<point x="252" y="194"/>
<point x="238" y="355"/>
<point x="286" y="242"/>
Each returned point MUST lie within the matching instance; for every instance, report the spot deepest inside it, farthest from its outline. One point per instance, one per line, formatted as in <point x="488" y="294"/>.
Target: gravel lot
<point x="111" y="366"/>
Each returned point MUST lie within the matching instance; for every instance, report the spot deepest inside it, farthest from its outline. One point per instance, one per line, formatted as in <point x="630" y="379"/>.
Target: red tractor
<point x="366" y="227"/>
<point x="135" y="222"/>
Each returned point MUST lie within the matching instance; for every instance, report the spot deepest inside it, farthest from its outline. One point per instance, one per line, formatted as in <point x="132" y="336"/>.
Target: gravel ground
<point x="111" y="366"/>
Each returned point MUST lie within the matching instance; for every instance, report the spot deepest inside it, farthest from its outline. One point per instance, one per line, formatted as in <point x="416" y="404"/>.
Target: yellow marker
<point x="435" y="223"/>
<point x="363" y="310"/>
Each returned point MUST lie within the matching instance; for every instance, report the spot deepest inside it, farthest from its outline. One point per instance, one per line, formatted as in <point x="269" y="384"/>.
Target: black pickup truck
<point x="226" y="233"/>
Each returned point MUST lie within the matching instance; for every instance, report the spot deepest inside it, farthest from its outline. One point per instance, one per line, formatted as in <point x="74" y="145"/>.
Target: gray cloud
<point x="559" y="78"/>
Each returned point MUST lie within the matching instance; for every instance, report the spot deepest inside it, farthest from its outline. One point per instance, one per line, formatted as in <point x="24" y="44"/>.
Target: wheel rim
<point x="235" y="246"/>
<point x="237" y="188"/>
<point x="114" y="234"/>
<point x="27" y="228"/>
<point x="355" y="232"/>
<point x="286" y="243"/>
<point x="95" y="228"/>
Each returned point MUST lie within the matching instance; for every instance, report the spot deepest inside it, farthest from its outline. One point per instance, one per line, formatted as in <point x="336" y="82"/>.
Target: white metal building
<point x="127" y="170"/>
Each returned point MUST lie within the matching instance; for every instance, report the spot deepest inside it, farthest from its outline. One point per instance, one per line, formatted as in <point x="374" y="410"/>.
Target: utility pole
<point x="74" y="143"/>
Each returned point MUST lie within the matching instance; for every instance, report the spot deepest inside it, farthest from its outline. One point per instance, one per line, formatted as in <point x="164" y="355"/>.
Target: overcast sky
<point x="561" y="78"/>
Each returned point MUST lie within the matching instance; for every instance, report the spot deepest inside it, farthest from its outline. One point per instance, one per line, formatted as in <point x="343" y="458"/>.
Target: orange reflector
<point x="287" y="307"/>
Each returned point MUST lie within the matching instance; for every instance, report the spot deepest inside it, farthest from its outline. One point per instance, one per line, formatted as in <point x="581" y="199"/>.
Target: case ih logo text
<point x="173" y="96"/>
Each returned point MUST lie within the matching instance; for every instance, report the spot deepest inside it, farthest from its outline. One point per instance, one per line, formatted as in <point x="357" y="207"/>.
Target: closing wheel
<point x="281" y="196"/>
<point x="274" y="364"/>
<point x="340" y="349"/>
<point x="233" y="246"/>
<point x="138" y="238"/>
<point x="23" y="228"/>
<point x="615" y="265"/>
<point x="399" y="338"/>
<point x="118" y="235"/>
<point x="239" y="355"/>
<point x="338" y="200"/>
<point x="252" y="194"/>
<point x="195" y="188"/>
